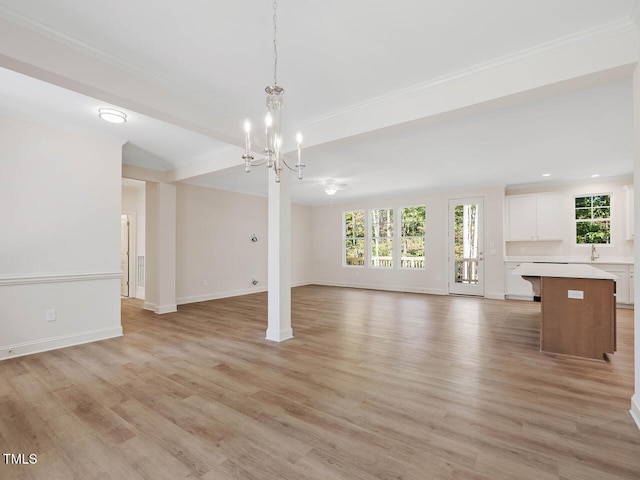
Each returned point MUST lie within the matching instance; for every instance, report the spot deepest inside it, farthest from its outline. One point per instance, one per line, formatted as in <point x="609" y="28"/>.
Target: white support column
<point x="279" y="263"/>
<point x="160" y="268"/>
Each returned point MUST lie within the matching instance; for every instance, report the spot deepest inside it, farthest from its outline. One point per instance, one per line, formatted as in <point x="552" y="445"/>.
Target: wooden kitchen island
<point x="578" y="308"/>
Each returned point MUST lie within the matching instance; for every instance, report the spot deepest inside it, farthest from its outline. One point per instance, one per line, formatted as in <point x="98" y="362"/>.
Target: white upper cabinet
<point x="522" y="217"/>
<point x="534" y="217"/>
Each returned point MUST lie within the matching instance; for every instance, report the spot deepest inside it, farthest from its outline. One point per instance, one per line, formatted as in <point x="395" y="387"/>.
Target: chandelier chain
<point x="275" y="43"/>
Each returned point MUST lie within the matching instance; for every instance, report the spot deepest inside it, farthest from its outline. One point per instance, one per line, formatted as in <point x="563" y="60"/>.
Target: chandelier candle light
<point x="273" y="155"/>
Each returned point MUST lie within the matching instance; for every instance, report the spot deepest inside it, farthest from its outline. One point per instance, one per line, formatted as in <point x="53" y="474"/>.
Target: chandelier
<point x="273" y="154"/>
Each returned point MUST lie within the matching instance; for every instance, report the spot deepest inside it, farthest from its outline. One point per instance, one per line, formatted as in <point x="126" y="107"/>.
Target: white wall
<point x="567" y="250"/>
<point x="302" y="255"/>
<point x="59" y="247"/>
<point x="327" y="245"/>
<point x="215" y="255"/>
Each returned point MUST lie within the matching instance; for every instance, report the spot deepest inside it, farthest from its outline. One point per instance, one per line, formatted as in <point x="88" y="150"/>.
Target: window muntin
<point x="354" y="238"/>
<point x="382" y="238"/>
<point x="412" y="231"/>
<point x="593" y="219"/>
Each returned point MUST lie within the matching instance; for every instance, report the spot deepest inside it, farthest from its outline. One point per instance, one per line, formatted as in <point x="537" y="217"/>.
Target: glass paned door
<point x="466" y="272"/>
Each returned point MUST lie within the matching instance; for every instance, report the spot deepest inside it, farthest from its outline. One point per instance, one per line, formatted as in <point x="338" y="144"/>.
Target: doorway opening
<point x="125" y="224"/>
<point x="466" y="266"/>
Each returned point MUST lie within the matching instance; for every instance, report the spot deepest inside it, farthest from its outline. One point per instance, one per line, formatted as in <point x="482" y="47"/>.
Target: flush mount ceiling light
<point x="112" y="115"/>
<point x="273" y="154"/>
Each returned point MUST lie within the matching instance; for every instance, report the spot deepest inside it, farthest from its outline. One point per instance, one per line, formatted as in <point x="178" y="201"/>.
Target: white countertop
<point x="562" y="270"/>
<point x="608" y="260"/>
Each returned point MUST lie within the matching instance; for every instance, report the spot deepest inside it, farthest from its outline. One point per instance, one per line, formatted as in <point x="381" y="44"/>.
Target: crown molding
<point x="608" y="30"/>
<point x="631" y="23"/>
<point x="131" y="68"/>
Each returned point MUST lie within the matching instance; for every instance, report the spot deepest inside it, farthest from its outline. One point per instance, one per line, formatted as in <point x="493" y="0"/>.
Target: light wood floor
<point x="375" y="385"/>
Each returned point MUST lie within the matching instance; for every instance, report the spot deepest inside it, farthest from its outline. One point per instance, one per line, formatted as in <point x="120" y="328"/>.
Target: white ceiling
<point x="334" y="57"/>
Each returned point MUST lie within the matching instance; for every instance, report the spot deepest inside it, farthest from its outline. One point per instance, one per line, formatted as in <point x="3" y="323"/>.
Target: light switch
<point x="577" y="294"/>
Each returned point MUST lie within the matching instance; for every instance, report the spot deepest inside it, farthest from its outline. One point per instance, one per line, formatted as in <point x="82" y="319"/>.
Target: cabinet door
<point x="622" y="282"/>
<point x="550" y="213"/>
<point x="517" y="287"/>
<point x="521" y="215"/>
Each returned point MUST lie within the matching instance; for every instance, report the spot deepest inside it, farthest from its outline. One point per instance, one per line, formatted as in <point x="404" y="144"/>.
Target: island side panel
<point x="583" y="327"/>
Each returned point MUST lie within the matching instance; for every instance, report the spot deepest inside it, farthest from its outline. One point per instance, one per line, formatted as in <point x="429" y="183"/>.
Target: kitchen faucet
<point x="594" y="255"/>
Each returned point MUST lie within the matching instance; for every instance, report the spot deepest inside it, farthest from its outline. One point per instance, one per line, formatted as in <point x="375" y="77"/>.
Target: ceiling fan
<point x="331" y="186"/>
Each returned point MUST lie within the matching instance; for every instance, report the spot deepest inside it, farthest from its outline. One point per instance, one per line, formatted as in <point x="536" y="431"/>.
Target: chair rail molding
<point x="40" y="278"/>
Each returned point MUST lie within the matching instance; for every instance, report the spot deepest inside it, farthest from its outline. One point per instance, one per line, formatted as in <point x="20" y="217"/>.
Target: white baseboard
<point x="525" y="298"/>
<point x="29" y="348"/>
<point x="635" y="409"/>
<point x="279" y="335"/>
<point x="494" y="296"/>
<point x="219" y="295"/>
<point x="388" y="288"/>
<point x="149" y="306"/>
<point x="228" y="294"/>
<point x="160" y="309"/>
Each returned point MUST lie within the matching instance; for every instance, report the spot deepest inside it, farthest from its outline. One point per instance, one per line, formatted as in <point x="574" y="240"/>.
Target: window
<point x="466" y="243"/>
<point x="412" y="229"/>
<point x="382" y="238"/>
<point x="354" y="232"/>
<point x="593" y="219"/>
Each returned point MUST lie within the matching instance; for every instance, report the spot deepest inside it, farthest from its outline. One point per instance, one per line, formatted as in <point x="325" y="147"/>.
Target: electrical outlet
<point x="50" y="315"/>
<point x="205" y="283"/>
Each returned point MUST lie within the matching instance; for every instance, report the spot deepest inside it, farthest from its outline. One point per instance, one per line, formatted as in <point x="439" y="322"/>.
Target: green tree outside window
<point x="593" y="219"/>
<point x="354" y="231"/>
<point x="382" y="238"/>
<point x="412" y="226"/>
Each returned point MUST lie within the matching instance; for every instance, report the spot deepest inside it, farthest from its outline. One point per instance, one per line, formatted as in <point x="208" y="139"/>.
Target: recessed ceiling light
<point x="112" y="115"/>
<point x="546" y="174"/>
<point x="595" y="175"/>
